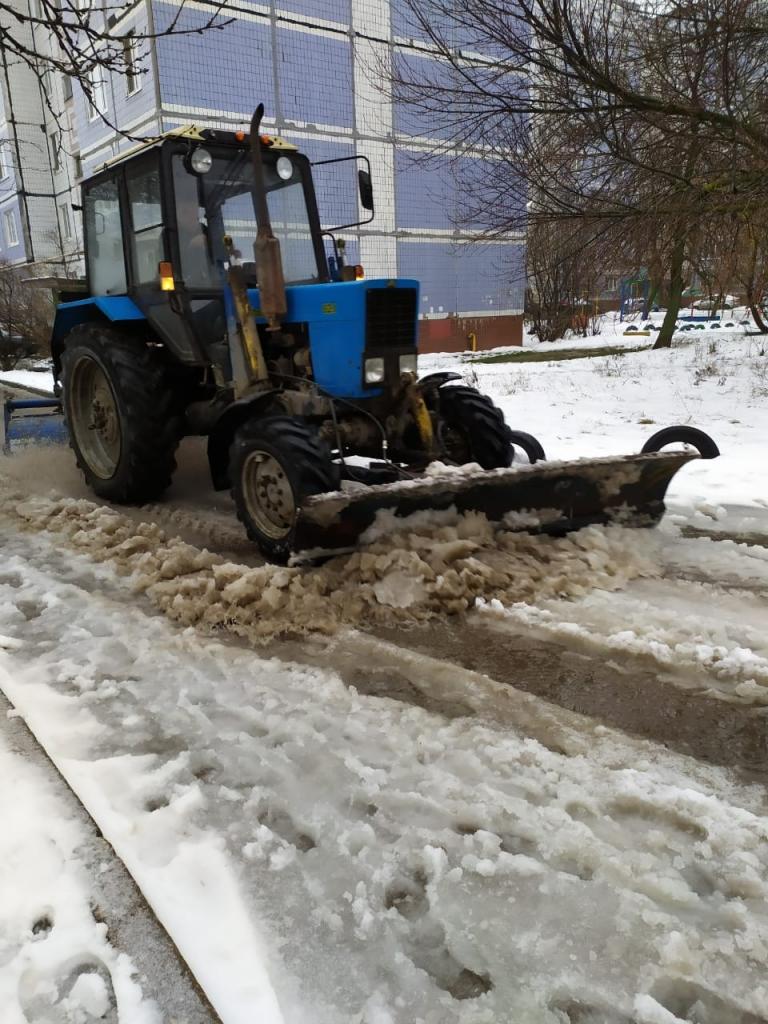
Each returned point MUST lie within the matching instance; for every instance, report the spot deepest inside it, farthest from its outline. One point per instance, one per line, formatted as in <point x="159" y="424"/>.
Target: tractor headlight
<point x="408" y="363"/>
<point x="285" y="168"/>
<point x="374" y="371"/>
<point x="200" y="160"/>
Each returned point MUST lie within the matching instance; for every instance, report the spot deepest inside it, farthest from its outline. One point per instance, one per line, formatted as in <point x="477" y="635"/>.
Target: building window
<point x="132" y="70"/>
<point x="66" y="221"/>
<point x="66" y="86"/>
<point x="78" y="166"/>
<point x="55" y="151"/>
<point x="98" y="99"/>
<point x="4" y="172"/>
<point x="9" y="227"/>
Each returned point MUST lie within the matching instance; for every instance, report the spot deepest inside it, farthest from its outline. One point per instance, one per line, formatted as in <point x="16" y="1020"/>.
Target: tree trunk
<point x="757" y="315"/>
<point x="664" y="339"/>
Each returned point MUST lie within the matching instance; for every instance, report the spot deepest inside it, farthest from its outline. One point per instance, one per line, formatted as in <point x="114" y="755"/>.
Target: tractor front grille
<point x="390" y="318"/>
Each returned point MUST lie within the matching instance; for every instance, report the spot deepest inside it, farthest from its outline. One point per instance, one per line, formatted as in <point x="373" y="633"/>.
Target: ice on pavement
<point x="345" y="859"/>
<point x="56" y="963"/>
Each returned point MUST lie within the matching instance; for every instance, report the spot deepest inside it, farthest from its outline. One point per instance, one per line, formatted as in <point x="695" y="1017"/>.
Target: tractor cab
<point x="163" y="223"/>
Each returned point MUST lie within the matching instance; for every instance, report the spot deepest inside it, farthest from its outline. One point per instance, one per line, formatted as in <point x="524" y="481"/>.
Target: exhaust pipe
<point x="266" y="248"/>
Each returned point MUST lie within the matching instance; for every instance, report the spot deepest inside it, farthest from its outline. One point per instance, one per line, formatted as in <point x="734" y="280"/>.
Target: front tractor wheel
<point x="120" y="412"/>
<point x="275" y="463"/>
<point x="472" y="429"/>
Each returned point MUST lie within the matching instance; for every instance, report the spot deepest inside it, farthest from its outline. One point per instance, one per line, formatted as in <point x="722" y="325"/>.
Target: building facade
<point x="318" y="67"/>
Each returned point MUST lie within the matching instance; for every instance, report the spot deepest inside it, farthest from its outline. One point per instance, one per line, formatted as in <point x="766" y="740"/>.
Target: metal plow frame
<point x="552" y="497"/>
<point x="27" y="421"/>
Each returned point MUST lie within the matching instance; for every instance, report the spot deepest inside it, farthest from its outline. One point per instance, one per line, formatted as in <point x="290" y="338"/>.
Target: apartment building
<point x="316" y="65"/>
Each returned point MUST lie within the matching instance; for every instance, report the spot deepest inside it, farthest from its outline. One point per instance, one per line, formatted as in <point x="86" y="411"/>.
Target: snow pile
<point x="512" y="864"/>
<point x="55" y="961"/>
<point x="414" y="569"/>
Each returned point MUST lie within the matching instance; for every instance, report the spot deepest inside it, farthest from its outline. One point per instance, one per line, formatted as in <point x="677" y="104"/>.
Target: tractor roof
<point x="240" y="139"/>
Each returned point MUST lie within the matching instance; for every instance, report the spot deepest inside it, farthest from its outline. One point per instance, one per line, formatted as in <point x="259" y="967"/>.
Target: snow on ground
<point x="338" y="858"/>
<point x="324" y="856"/>
<point x="56" y="964"/>
<point x="36" y="379"/>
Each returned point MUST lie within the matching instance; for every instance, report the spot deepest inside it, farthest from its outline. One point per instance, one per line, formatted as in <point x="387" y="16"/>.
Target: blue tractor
<point x="197" y="319"/>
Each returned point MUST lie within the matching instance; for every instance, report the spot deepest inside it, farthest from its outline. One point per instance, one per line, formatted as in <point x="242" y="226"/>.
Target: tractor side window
<point x="144" y="199"/>
<point x="104" y="233"/>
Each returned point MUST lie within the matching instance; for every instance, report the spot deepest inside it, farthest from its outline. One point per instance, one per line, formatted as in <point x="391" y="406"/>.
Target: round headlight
<point x="201" y="161"/>
<point x="285" y="168"/>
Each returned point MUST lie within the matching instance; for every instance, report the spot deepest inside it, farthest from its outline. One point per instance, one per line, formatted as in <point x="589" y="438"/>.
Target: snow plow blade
<point x="547" y="497"/>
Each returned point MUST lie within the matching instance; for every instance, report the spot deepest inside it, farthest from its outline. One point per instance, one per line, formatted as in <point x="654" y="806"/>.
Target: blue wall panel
<point x="490" y="277"/>
<point x="466" y="277"/>
<point x="434" y="265"/>
<point x="424" y="192"/>
<point x="442" y="192"/>
<point x="408" y="120"/>
<point x="315" y="76"/>
<point x="326" y="10"/>
<point x="228" y="70"/>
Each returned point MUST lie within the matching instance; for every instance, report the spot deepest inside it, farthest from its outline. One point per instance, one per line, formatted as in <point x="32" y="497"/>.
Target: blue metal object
<point x="32" y="421"/>
<point x="334" y="314"/>
<point x="335" y="317"/>
<point x="83" y="311"/>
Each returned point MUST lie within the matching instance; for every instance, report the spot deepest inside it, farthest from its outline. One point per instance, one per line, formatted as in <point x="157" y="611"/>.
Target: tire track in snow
<point x="406" y="864"/>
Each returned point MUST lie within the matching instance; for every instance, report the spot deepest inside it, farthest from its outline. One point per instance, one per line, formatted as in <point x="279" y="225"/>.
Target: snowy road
<point x="462" y="852"/>
<point x="460" y="777"/>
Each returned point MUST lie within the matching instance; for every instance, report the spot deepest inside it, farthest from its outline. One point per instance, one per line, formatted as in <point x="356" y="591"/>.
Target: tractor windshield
<point x="219" y="202"/>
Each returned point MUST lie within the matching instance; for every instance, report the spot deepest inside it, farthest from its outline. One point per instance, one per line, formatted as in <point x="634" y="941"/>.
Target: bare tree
<point x="637" y="122"/>
<point x="562" y="281"/>
<point x="26" y="314"/>
<point x="81" y="43"/>
<point x="751" y="264"/>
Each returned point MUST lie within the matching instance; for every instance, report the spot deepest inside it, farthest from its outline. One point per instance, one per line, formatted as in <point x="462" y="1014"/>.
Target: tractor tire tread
<point x="312" y="470"/>
<point x="481" y="421"/>
<point x="152" y="427"/>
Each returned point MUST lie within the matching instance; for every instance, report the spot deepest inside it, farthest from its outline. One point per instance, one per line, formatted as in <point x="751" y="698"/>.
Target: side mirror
<point x="366" y="189"/>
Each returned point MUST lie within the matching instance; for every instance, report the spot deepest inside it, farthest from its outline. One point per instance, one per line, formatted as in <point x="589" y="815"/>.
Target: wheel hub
<point x="94" y="417"/>
<point x="268" y="494"/>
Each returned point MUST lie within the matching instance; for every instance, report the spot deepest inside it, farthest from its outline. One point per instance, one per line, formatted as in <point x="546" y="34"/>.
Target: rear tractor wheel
<point x="121" y="414"/>
<point x="275" y="464"/>
<point x="472" y="429"/>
